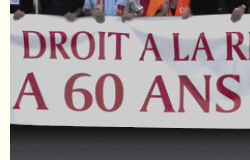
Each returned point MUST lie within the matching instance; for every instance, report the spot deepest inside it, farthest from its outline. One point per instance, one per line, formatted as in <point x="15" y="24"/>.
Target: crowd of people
<point x="127" y="9"/>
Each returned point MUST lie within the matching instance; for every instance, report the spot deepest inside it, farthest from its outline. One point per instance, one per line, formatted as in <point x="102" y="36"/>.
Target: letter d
<point x="26" y="44"/>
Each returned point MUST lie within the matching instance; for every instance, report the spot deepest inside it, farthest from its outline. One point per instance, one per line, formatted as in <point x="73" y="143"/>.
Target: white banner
<point x="147" y="72"/>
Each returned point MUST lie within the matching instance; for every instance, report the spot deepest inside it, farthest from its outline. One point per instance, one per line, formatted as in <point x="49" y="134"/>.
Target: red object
<point x="120" y="9"/>
<point x="145" y="4"/>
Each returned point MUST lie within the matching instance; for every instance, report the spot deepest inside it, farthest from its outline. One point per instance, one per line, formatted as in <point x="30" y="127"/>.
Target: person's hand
<point x="127" y="16"/>
<point x="98" y="15"/>
<point x="186" y="14"/>
<point x="70" y="16"/>
<point x="237" y="13"/>
<point x="18" y="14"/>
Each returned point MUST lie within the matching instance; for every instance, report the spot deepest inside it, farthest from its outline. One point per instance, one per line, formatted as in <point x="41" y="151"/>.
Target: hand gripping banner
<point x="148" y="72"/>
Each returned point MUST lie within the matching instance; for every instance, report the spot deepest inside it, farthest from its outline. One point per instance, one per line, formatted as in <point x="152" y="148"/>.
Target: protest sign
<point x="148" y="72"/>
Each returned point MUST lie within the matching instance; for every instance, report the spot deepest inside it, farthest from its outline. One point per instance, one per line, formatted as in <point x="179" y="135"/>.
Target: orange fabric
<point x="154" y="5"/>
<point x="182" y="6"/>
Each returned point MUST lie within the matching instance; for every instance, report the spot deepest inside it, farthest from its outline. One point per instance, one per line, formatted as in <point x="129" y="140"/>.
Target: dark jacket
<point x="204" y="7"/>
<point x="60" y="7"/>
<point x="231" y="4"/>
<point x="201" y="7"/>
<point x="25" y="5"/>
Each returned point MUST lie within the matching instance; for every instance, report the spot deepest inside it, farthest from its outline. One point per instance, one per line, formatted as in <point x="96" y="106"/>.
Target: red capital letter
<point x="164" y="95"/>
<point x="176" y="49"/>
<point x="153" y="48"/>
<point x="230" y="46"/>
<point x="53" y="45"/>
<point x="26" y="44"/>
<point x="118" y="43"/>
<point x="205" y="48"/>
<point x="228" y="93"/>
<point x="204" y="103"/>
<point x="91" y="45"/>
<point x="36" y="93"/>
<point x="102" y="45"/>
